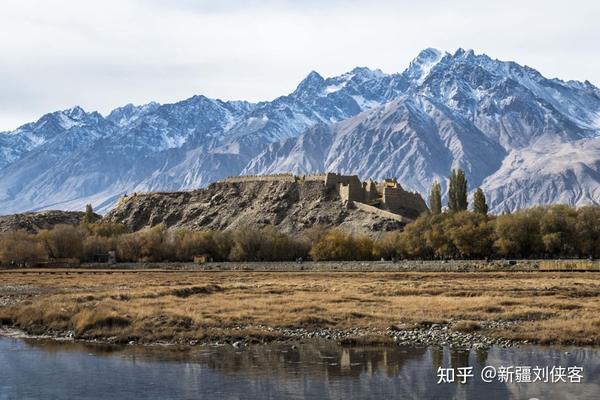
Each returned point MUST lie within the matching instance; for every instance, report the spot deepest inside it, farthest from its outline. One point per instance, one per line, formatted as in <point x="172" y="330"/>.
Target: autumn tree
<point x="266" y="244"/>
<point x="471" y="234"/>
<point x="558" y="226"/>
<point x="388" y="247"/>
<point x="63" y="241"/>
<point x="21" y="248"/>
<point x="337" y="245"/>
<point x="413" y="239"/>
<point x="518" y="234"/>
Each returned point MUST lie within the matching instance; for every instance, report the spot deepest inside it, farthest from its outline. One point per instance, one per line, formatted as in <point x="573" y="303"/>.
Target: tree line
<point x="541" y="232"/>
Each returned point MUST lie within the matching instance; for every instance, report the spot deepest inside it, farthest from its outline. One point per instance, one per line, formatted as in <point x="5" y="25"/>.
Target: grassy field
<point x="147" y="306"/>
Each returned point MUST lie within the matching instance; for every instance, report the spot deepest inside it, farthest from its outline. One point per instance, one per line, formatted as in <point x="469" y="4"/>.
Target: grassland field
<point x="178" y="306"/>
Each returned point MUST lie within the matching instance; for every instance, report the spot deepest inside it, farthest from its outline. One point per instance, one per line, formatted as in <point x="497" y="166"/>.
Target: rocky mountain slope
<point x="495" y="119"/>
<point x="289" y="206"/>
<point x="36" y="221"/>
<point x="514" y="132"/>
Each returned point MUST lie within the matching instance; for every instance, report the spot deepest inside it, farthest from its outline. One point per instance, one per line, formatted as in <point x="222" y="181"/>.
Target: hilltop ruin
<point x="387" y="195"/>
<point x="289" y="202"/>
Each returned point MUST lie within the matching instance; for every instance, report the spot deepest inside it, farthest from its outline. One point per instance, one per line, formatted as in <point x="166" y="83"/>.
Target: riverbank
<point x="335" y="266"/>
<point x="469" y="310"/>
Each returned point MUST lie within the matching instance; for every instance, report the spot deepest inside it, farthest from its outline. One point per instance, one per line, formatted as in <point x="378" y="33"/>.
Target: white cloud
<point x="104" y="54"/>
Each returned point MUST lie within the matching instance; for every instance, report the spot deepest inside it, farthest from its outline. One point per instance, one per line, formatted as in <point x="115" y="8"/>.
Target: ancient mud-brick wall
<point x="332" y="179"/>
<point x="349" y="187"/>
<point x="314" y="177"/>
<point x="261" y="178"/>
<point x="370" y="193"/>
<point x="356" y="192"/>
<point x="400" y="201"/>
<point x="351" y="191"/>
<point x="392" y="198"/>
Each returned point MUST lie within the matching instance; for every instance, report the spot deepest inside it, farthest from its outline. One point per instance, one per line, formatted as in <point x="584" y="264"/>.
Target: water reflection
<point x="319" y="370"/>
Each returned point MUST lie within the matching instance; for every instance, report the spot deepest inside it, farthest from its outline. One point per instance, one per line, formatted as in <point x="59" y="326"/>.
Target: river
<point x="47" y="369"/>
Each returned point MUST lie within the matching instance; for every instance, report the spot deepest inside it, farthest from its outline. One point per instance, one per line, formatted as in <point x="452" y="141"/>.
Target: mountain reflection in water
<point x="318" y="370"/>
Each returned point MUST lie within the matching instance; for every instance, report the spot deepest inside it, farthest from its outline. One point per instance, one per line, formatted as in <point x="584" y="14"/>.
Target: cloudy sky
<point x="103" y="54"/>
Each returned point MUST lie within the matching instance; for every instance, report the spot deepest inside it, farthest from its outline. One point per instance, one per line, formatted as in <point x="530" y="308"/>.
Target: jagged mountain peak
<point x="464" y="53"/>
<point x="129" y="113"/>
<point x="51" y="123"/>
<point x="366" y="73"/>
<point x="76" y="112"/>
<point x="420" y="67"/>
<point x="428" y="55"/>
<point x="313" y="81"/>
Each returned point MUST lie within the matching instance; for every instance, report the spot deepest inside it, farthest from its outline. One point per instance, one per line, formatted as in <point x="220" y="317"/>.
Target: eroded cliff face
<point x="292" y="207"/>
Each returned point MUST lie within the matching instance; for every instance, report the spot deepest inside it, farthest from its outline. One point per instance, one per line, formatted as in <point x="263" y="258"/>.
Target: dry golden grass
<point x="152" y="305"/>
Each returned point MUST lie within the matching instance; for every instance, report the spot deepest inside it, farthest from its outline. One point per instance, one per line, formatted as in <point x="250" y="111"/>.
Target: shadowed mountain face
<point x="506" y="125"/>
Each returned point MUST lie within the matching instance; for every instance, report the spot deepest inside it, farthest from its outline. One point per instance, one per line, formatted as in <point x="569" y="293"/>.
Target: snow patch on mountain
<point x="335" y="88"/>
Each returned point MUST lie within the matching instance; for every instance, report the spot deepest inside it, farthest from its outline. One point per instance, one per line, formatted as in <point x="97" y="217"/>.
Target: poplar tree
<point x="479" y="204"/>
<point x="435" y="198"/>
<point x="457" y="191"/>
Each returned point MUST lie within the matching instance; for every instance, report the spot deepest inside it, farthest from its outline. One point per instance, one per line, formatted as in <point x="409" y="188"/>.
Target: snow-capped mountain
<point x="496" y="120"/>
<point x="523" y="138"/>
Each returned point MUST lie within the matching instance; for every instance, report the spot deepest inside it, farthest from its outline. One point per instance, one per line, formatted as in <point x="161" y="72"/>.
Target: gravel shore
<point x="342" y="266"/>
<point x="440" y="335"/>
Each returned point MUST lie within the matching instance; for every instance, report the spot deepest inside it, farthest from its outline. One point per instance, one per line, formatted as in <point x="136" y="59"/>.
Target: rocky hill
<point x="35" y="221"/>
<point x="291" y="207"/>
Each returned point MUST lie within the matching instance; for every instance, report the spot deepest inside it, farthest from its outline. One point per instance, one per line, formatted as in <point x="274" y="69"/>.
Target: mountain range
<point x="523" y="138"/>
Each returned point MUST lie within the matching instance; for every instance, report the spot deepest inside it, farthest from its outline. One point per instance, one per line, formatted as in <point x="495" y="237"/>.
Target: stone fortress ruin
<point x="386" y="198"/>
